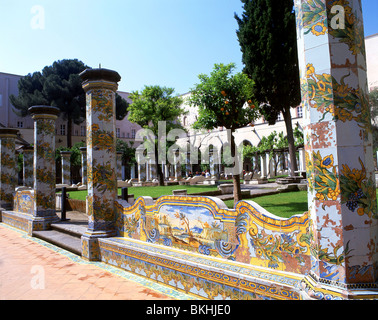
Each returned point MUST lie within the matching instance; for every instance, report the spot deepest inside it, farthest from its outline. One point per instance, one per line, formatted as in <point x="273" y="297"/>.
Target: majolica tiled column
<point x="28" y="165"/>
<point x="339" y="157"/>
<point x="44" y="211"/>
<point x="66" y="167"/>
<point x="100" y="86"/>
<point x="83" y="165"/>
<point x="8" y="173"/>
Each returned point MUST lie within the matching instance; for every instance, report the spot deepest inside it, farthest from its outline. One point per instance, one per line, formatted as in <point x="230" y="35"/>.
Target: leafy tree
<point x="151" y="106"/>
<point x="224" y="99"/>
<point x="59" y="85"/>
<point x="267" y="37"/>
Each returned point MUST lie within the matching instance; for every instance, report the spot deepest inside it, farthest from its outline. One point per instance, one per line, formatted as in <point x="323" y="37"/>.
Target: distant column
<point x="84" y="172"/>
<point x="119" y="165"/>
<point x="263" y="166"/>
<point x="66" y="167"/>
<point x="100" y="86"/>
<point x="8" y="173"/>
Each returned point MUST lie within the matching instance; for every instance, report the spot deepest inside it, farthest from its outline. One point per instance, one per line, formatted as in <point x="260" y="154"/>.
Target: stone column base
<point x="90" y="245"/>
<point x="27" y="222"/>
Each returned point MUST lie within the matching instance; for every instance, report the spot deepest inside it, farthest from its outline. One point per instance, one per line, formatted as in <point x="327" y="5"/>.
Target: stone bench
<point x="197" y="245"/>
<point x="180" y="192"/>
<point x="226" y="188"/>
<point x="196" y="274"/>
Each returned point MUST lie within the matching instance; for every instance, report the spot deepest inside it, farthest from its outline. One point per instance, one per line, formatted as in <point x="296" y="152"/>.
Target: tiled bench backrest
<point x="247" y="234"/>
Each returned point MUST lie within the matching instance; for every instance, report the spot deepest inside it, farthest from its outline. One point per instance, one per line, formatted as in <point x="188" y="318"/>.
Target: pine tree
<point x="267" y="37"/>
<point x="59" y="85"/>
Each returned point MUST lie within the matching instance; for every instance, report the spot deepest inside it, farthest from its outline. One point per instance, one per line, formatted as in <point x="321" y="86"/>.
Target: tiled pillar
<point x="8" y="173"/>
<point x="100" y="86"/>
<point x="66" y="167"/>
<point x="84" y="173"/>
<point x="339" y="158"/>
<point x="44" y="167"/>
<point x="28" y="164"/>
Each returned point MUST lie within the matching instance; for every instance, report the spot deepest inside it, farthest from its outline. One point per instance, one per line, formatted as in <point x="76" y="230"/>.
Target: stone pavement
<point x="31" y="269"/>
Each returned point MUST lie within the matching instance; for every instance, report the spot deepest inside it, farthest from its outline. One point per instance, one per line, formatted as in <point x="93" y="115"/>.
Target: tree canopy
<point x="225" y="99"/>
<point x="153" y="105"/>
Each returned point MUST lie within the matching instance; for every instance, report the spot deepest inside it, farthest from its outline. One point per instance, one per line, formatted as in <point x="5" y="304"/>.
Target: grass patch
<point x="283" y="205"/>
<point x="153" y="192"/>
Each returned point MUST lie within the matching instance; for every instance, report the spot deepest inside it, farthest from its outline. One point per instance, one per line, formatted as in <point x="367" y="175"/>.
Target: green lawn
<point x="154" y="192"/>
<point x="283" y="205"/>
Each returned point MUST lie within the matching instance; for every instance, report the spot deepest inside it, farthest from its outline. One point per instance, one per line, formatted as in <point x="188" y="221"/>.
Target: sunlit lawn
<point x="153" y="192"/>
<point x="283" y="205"/>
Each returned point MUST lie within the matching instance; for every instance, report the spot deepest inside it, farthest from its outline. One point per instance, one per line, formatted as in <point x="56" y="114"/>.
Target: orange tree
<point x="225" y="99"/>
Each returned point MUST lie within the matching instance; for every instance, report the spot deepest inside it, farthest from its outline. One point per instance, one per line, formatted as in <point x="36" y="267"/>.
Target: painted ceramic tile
<point x="8" y="170"/>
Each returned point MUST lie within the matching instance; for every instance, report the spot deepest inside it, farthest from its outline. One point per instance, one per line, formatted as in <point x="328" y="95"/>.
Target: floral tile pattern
<point x="338" y="141"/>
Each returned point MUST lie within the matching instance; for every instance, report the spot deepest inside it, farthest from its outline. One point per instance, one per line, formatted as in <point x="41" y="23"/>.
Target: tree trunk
<point x="236" y="171"/>
<point x="158" y="167"/>
<point x="290" y="139"/>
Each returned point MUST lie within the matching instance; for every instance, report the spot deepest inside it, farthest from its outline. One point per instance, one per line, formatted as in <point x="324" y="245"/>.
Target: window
<point x="300" y="112"/>
<point x="82" y="131"/>
<point x="20" y="124"/>
<point x="118" y="132"/>
<point x="62" y="129"/>
<point x="133" y="133"/>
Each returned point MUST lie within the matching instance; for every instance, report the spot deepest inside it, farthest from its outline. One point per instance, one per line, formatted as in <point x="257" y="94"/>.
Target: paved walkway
<point x="31" y="269"/>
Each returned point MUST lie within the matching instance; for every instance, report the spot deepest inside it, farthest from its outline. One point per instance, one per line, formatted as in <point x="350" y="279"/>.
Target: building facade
<point x="9" y="118"/>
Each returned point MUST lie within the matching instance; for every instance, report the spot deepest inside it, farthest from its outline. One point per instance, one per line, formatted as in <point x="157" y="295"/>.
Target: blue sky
<point x="162" y="42"/>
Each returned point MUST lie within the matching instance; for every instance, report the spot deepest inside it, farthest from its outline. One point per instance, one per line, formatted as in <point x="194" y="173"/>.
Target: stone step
<point x="71" y="228"/>
<point x="63" y="235"/>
